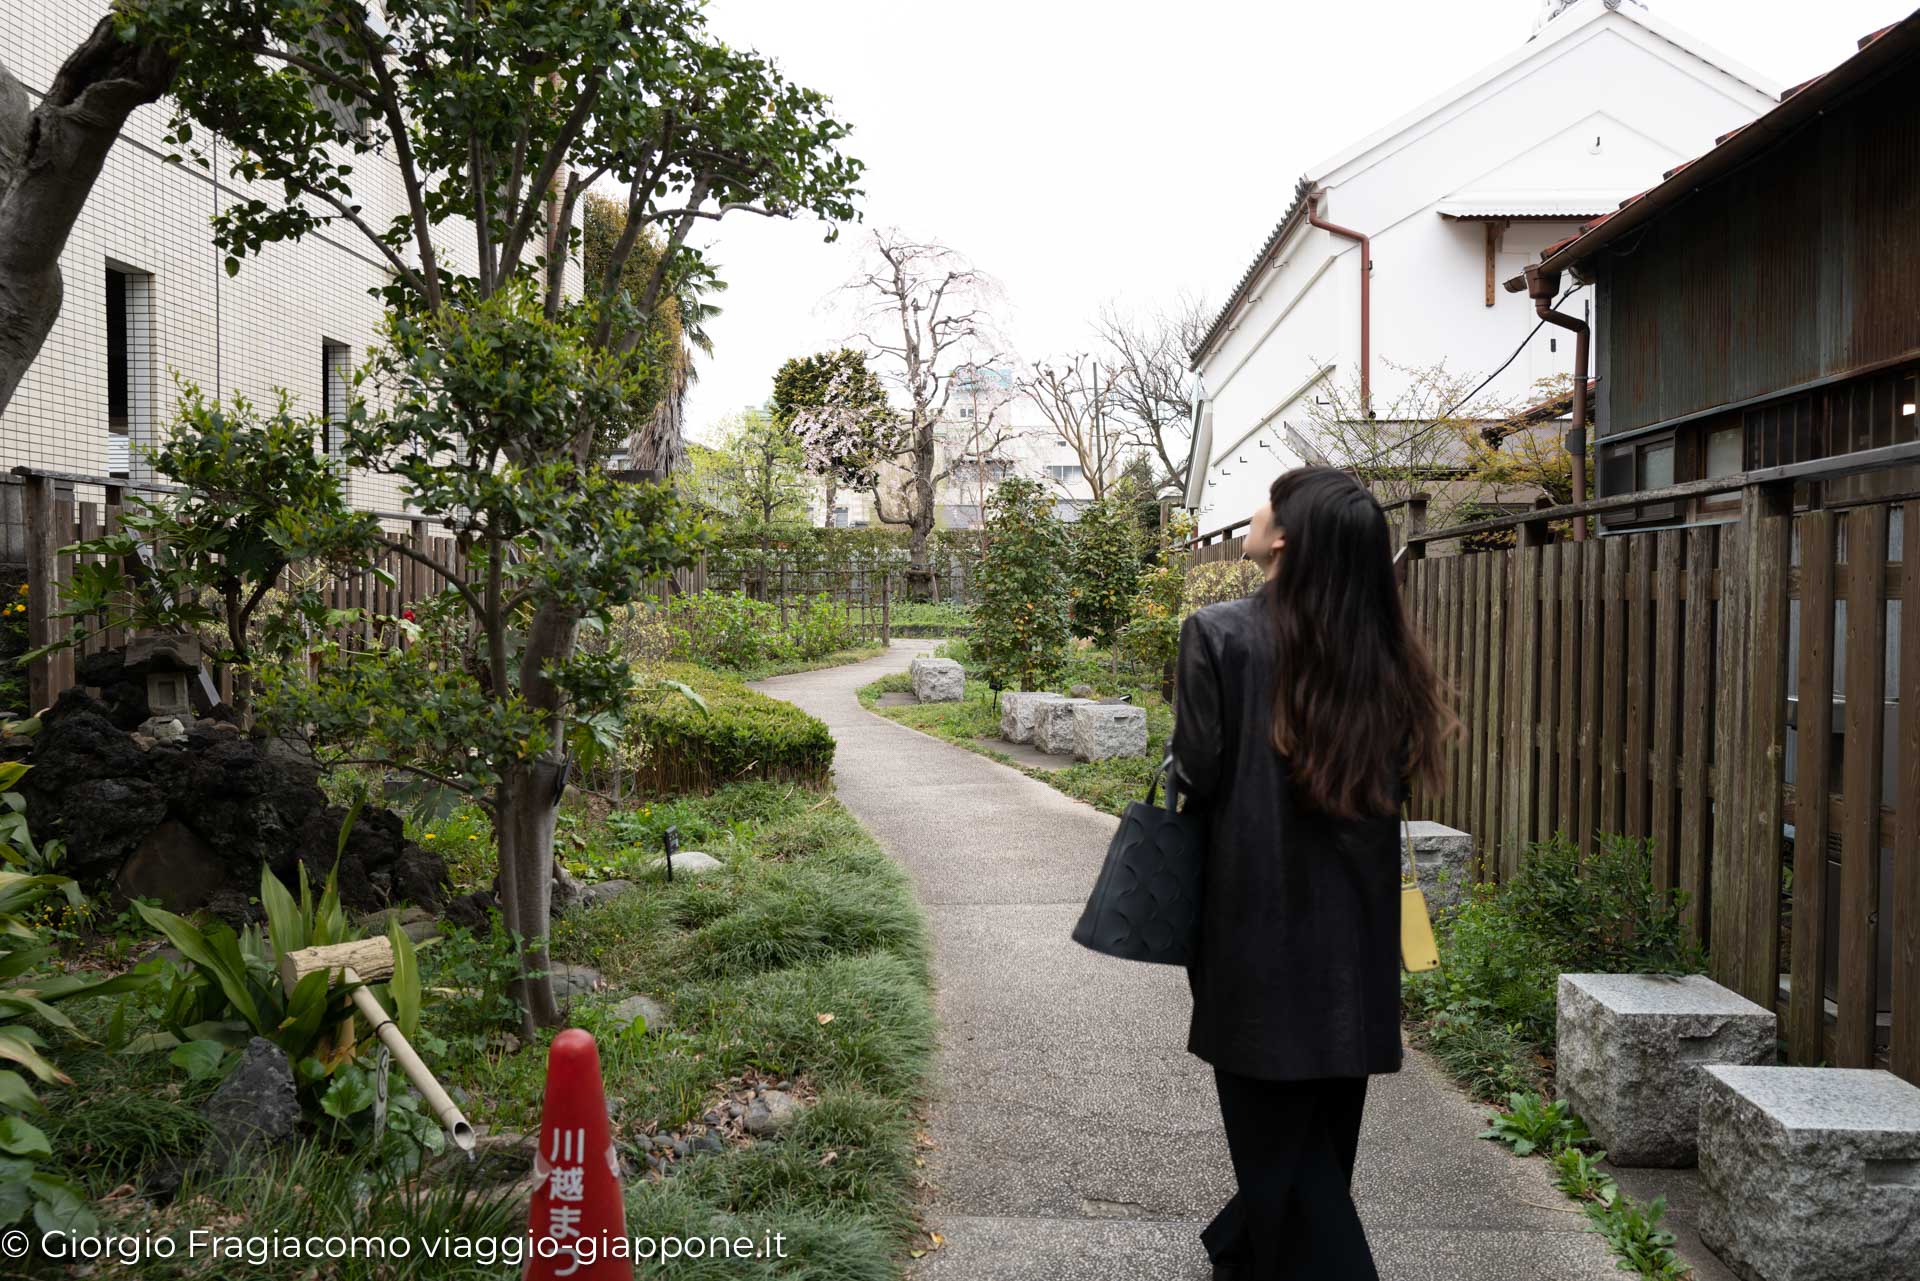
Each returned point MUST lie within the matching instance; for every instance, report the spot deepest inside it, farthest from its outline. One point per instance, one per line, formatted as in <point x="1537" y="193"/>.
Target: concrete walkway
<point x="1075" y="1138"/>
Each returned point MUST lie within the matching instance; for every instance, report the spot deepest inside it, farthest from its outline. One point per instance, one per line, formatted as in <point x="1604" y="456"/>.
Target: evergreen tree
<point x="1020" y="635"/>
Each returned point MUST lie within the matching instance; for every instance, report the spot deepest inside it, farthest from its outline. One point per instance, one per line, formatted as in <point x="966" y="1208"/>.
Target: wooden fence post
<point x="42" y="596"/>
<point x="1905" y="898"/>
<point x="1749" y="802"/>
<point x="1537" y="533"/>
<point x="1416" y="524"/>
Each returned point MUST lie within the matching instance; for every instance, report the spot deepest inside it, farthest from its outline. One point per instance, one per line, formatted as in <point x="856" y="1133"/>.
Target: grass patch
<point x="761" y="671"/>
<point x="1105" y="785"/>
<point x="808" y="918"/>
<point x="1487" y="1015"/>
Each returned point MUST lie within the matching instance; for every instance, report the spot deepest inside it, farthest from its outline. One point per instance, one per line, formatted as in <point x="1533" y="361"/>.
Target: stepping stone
<point x="1444" y="856"/>
<point x="1053" y="726"/>
<point x="938" y="680"/>
<point x="1631" y="1049"/>
<point x="1103" y="731"/>
<point x="570" y="981"/>
<point x="1811" y="1174"/>
<point x="596" y="892"/>
<point x="640" y="1008"/>
<point x="687" y="863"/>
<point x="1019" y="709"/>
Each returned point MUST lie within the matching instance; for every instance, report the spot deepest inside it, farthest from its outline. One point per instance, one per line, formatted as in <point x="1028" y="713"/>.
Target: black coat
<point x="1298" y="974"/>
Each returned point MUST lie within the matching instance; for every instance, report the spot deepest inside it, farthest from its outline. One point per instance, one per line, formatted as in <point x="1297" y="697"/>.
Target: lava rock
<point x="254" y="1109"/>
<point x="193" y="823"/>
<point x="471" y="911"/>
<point x="568" y="893"/>
<point x="495" y="1159"/>
<point x="771" y="1113"/>
<point x="598" y="892"/>
<point x="570" y="981"/>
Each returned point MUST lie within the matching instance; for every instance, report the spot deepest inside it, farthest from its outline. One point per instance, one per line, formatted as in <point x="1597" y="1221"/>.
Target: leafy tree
<point x="1105" y="555"/>
<point x="50" y="156"/>
<point x="663" y="355"/>
<point x="260" y="499"/>
<point x="1020" y="627"/>
<point x="1527" y="451"/>
<point x="1150" y="637"/>
<point x="499" y="388"/>
<point x="756" y="475"/>
<point x="836" y="409"/>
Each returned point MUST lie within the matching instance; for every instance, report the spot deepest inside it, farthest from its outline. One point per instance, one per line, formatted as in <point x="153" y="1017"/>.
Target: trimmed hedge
<point x="740" y="735"/>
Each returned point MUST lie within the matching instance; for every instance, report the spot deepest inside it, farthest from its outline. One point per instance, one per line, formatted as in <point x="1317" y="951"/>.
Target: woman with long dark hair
<point x="1301" y="713"/>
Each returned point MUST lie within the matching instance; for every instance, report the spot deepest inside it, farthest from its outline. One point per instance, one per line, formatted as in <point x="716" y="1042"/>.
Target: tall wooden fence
<point x="43" y="512"/>
<point x="1743" y="696"/>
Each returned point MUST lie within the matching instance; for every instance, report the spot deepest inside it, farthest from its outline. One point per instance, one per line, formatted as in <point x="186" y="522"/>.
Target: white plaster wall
<point x="251" y="333"/>
<point x="1531" y="129"/>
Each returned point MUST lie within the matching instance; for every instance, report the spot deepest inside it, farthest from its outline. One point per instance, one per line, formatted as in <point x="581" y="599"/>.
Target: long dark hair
<point x="1355" y="698"/>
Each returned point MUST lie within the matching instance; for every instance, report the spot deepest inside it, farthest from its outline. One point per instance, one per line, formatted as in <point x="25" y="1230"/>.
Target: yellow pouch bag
<point x="1418" y="951"/>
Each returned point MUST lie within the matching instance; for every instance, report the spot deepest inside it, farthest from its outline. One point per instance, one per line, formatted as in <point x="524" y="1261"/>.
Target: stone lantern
<point x="169" y="662"/>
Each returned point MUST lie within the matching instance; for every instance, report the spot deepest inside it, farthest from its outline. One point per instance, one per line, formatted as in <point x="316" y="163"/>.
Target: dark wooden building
<point x="1761" y="306"/>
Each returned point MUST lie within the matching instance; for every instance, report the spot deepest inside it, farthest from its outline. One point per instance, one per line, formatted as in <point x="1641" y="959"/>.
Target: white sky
<point x="1126" y="150"/>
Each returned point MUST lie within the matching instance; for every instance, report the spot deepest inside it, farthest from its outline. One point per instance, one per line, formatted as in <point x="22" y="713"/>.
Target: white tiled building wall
<point x="266" y="327"/>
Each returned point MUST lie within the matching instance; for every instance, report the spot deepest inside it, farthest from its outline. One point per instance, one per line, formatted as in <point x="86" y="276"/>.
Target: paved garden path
<point x="1074" y="1137"/>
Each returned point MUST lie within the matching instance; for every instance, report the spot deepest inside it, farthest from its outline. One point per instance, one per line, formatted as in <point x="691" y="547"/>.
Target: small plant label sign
<point x="670" y="841"/>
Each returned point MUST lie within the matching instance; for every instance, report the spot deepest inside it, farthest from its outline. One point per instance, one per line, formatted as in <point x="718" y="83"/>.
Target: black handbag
<point x="1146" y="904"/>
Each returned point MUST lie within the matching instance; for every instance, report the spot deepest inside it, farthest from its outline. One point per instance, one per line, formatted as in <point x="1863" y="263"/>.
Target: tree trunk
<point x="50" y="157"/>
<point x="527" y="807"/>
<point x="919" y="572"/>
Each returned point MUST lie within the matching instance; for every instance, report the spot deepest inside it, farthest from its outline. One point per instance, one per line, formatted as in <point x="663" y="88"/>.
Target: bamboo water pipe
<point x="365" y="961"/>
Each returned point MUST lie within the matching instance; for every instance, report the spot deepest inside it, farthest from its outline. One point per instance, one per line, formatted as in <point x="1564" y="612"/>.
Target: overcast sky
<point x="1125" y="151"/>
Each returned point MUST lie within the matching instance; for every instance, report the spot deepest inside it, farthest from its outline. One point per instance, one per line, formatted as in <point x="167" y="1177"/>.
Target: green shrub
<point x="817" y="627"/>
<point x="1020" y="629"/>
<point x="723" y="629"/>
<point x="1105" y="552"/>
<point x="928" y="618"/>
<point x="738" y="734"/>
<point x="1492" y="1061"/>
<point x="1503" y="950"/>
<point x="1531" y="1124"/>
<point x="1211" y="582"/>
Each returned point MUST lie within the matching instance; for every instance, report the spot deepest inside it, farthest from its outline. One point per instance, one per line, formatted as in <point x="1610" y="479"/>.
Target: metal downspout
<point x="1366" y="295"/>
<point x="1541" y="287"/>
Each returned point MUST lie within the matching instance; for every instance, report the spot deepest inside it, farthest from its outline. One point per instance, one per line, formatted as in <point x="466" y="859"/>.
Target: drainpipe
<point x="1366" y="296"/>
<point x="1541" y="287"/>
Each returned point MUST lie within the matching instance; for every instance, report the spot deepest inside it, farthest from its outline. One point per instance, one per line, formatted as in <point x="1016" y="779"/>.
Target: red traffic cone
<point x="578" y="1221"/>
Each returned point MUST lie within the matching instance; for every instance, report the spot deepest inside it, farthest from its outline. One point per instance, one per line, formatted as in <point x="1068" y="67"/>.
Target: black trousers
<point x="1293" y="1146"/>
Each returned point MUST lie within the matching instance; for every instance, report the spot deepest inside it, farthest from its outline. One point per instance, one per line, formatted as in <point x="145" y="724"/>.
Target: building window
<point x="1656" y="465"/>
<point x="1726" y="455"/>
<point x="1065" y="473"/>
<point x="839" y="518"/>
<point x="336" y="393"/>
<point x="1631" y="468"/>
<point x="130" y="394"/>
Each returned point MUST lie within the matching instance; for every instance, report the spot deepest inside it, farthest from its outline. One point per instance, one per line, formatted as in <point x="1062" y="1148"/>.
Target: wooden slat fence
<point x="1744" y="697"/>
<point x="41" y="514"/>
